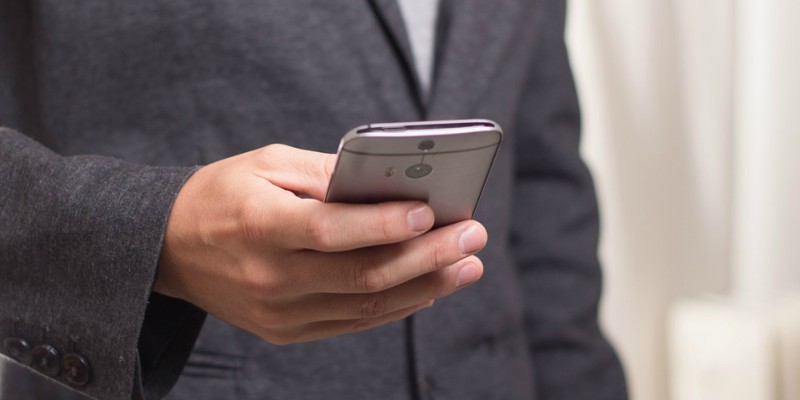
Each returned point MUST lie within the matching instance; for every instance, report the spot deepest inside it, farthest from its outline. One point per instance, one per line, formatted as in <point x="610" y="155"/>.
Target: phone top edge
<point x="435" y="124"/>
<point x="422" y="129"/>
<point x="414" y="153"/>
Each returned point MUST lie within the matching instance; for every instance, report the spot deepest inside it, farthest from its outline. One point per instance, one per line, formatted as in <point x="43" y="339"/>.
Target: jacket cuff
<point x="80" y="239"/>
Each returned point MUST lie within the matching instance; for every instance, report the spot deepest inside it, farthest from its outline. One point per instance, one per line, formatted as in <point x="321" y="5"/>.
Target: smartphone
<point x="443" y="163"/>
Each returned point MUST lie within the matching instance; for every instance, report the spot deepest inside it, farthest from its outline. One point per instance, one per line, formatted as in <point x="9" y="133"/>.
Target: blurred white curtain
<point x="692" y="113"/>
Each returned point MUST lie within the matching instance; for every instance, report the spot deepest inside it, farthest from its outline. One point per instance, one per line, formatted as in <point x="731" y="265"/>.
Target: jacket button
<point x="46" y="359"/>
<point x="77" y="371"/>
<point x="18" y="349"/>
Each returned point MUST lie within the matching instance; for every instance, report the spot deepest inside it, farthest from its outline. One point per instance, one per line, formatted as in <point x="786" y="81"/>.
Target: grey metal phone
<point x="444" y="163"/>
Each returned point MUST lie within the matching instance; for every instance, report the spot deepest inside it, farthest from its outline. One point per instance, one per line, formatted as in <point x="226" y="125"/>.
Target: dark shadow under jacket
<point x="118" y="100"/>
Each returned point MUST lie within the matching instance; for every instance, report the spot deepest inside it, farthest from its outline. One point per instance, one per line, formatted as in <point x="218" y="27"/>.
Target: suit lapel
<point x="472" y="36"/>
<point x="472" y="39"/>
<point x="391" y="19"/>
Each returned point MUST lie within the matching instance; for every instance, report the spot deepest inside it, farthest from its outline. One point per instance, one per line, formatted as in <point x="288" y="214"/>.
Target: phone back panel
<point x="449" y="176"/>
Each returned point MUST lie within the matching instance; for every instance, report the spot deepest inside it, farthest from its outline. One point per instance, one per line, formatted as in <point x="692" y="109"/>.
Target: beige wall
<point x="692" y="111"/>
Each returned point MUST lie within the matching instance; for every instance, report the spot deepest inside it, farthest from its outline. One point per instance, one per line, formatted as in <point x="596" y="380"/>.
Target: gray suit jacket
<point x="117" y="100"/>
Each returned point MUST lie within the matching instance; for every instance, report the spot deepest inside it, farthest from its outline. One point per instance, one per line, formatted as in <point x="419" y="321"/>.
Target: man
<point x="114" y="261"/>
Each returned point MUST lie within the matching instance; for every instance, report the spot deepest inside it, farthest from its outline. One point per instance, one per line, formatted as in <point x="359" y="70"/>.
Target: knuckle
<point x="261" y="284"/>
<point x="318" y="167"/>
<point x="375" y="280"/>
<point x="269" y="157"/>
<point x="279" y="339"/>
<point x="328" y="164"/>
<point x="271" y="150"/>
<point x="281" y="336"/>
<point x="319" y="232"/>
<point x="438" y="257"/>
<point x="386" y="225"/>
<point x="368" y="279"/>
<point x="362" y="325"/>
<point x="439" y="284"/>
<point x="374" y="306"/>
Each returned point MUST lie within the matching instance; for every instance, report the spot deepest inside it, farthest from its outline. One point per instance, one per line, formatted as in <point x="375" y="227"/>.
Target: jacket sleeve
<point x="556" y="232"/>
<point x="80" y="239"/>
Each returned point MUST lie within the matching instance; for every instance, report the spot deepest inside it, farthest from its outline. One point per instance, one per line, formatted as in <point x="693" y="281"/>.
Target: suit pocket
<point x="208" y="376"/>
<point x="204" y="364"/>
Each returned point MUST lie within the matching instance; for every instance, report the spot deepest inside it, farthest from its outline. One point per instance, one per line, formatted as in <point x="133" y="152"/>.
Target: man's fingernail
<point x="420" y="218"/>
<point x="468" y="274"/>
<point x="472" y="240"/>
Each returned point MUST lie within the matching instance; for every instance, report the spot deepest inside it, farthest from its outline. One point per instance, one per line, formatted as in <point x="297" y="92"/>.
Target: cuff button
<point x="18" y="349"/>
<point x="76" y="369"/>
<point x="47" y="360"/>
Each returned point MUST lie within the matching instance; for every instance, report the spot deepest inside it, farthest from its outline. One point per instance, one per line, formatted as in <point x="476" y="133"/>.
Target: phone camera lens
<point x="417" y="171"/>
<point x="426" y="144"/>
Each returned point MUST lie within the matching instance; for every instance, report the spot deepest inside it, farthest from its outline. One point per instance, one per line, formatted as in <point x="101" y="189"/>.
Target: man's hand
<point x="243" y="245"/>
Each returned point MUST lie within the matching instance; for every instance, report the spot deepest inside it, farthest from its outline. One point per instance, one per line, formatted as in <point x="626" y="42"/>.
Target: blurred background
<point x="691" y="112"/>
